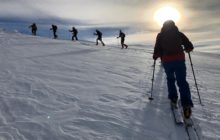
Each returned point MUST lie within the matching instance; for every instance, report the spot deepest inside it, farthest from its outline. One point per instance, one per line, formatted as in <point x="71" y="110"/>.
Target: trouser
<point x="74" y="36"/>
<point x="123" y="44"/>
<point x="100" y="39"/>
<point x="176" y="72"/>
<point x="54" y="34"/>
<point x="34" y="32"/>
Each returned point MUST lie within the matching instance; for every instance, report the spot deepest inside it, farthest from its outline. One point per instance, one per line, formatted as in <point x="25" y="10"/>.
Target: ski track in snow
<point x="63" y="90"/>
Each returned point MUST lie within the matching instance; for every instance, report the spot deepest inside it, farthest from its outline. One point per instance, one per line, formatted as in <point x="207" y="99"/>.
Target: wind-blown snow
<point x="63" y="90"/>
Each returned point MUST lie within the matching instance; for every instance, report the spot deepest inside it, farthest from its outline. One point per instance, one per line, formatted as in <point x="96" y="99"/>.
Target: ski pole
<point x="195" y="78"/>
<point x="152" y="84"/>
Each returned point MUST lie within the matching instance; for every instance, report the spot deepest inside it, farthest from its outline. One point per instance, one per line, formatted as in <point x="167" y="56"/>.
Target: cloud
<point x="17" y="8"/>
<point x="203" y="9"/>
<point x="199" y="17"/>
<point x="98" y="11"/>
<point x="197" y="12"/>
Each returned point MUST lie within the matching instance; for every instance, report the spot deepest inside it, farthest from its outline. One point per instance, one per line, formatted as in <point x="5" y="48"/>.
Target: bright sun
<point x="166" y="13"/>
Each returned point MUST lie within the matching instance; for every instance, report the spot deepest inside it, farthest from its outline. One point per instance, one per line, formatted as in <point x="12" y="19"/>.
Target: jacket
<point x="170" y="45"/>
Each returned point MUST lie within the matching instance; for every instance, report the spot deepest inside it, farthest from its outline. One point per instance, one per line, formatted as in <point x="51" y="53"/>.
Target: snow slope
<point x="63" y="90"/>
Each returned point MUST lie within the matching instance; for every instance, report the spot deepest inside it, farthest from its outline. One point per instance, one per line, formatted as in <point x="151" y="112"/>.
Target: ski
<point x="189" y="127"/>
<point x="177" y="115"/>
<point x="191" y="130"/>
<point x="188" y="124"/>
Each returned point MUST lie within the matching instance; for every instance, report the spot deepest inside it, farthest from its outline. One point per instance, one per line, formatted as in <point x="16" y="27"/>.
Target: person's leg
<point x="123" y="42"/>
<point x="54" y="34"/>
<point x="122" y="45"/>
<point x="32" y="32"/>
<point x="97" y="41"/>
<point x="103" y="44"/>
<point x="172" y="91"/>
<point x="183" y="85"/>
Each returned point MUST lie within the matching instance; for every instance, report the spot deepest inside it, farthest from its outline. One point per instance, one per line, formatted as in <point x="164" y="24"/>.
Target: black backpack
<point x="54" y="27"/>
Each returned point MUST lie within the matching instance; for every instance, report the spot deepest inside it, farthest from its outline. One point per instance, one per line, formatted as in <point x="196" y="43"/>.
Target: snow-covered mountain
<point x="64" y="90"/>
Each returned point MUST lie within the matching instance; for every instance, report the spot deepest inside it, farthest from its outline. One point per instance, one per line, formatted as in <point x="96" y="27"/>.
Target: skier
<point x="122" y="36"/>
<point x="169" y="48"/>
<point x="54" y="28"/>
<point x="75" y="32"/>
<point x="33" y="28"/>
<point x="99" y="37"/>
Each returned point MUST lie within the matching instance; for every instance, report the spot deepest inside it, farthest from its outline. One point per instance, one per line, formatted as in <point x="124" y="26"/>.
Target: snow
<point x="64" y="90"/>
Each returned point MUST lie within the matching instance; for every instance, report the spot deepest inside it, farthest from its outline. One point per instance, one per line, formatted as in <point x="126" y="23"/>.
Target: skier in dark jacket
<point x="122" y="36"/>
<point x="75" y="32"/>
<point x="99" y="37"/>
<point x="54" y="28"/>
<point x="33" y="28"/>
<point x="170" y="46"/>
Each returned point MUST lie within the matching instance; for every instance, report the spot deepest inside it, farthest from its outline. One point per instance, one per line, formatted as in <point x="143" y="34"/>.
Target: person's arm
<point x="188" y="46"/>
<point x="156" y="53"/>
<point x="119" y="35"/>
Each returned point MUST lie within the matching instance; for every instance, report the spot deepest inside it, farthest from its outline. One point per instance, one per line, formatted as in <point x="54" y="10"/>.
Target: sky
<point x="196" y="15"/>
<point x="108" y="11"/>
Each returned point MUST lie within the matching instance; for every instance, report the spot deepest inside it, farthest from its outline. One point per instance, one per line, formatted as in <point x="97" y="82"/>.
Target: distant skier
<point x="122" y="36"/>
<point x="99" y="37"/>
<point x="33" y="28"/>
<point x="169" y="48"/>
<point x="75" y="32"/>
<point x="54" y="28"/>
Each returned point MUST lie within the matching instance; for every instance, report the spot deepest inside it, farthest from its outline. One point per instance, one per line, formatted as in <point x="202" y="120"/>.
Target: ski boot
<point x="187" y="112"/>
<point x="173" y="104"/>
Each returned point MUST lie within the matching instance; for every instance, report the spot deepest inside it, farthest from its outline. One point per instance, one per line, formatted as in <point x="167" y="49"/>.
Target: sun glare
<point x="166" y="13"/>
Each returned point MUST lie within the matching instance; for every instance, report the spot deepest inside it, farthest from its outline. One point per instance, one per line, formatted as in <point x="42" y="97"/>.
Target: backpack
<point x="122" y="35"/>
<point x="55" y="27"/>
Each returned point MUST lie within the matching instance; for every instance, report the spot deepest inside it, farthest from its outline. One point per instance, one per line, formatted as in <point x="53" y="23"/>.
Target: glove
<point x="188" y="50"/>
<point x="155" y="57"/>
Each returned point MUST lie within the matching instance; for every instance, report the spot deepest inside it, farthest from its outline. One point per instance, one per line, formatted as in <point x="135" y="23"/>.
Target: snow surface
<point x="63" y="90"/>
